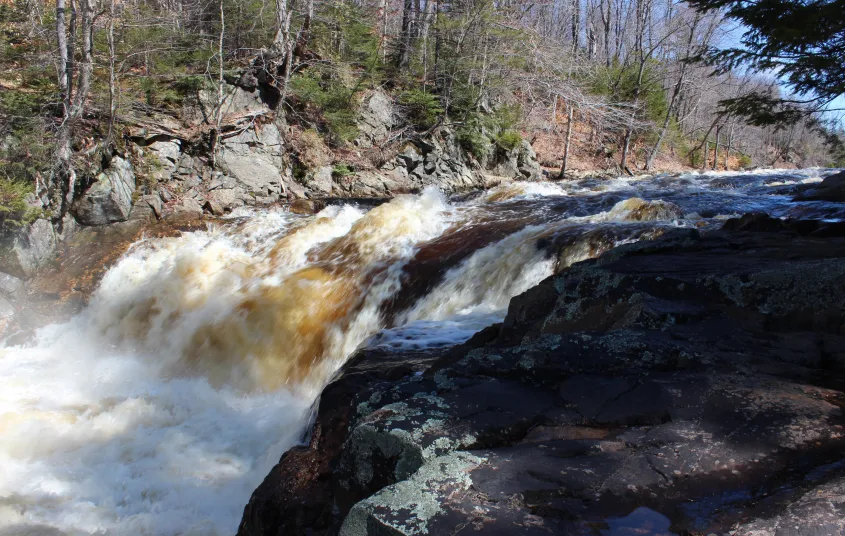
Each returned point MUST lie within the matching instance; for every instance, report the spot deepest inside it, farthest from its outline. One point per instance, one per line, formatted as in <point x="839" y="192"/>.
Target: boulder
<point x="320" y="181"/>
<point x="6" y="308"/>
<point x="254" y="160"/>
<point x="189" y="209"/>
<point x="109" y="199"/>
<point x="832" y="188"/>
<point x="10" y="285"/>
<point x="376" y="119"/>
<point x="30" y="248"/>
<point x="375" y="184"/>
<point x="527" y="164"/>
<point x="167" y="153"/>
<point x="244" y="101"/>
<point x="212" y="207"/>
<point x="228" y="198"/>
<point x="637" y="209"/>
<point x="146" y="208"/>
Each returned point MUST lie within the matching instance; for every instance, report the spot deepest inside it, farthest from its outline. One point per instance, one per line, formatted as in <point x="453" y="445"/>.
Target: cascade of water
<point x="160" y="407"/>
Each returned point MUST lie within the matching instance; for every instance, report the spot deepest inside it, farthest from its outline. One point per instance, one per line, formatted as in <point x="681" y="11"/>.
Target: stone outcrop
<point x="109" y="199"/>
<point x="31" y="247"/>
<point x="254" y="158"/>
<point x="694" y="383"/>
<point x="832" y="188"/>
<point x="165" y="171"/>
<point x="520" y="163"/>
<point x="377" y="118"/>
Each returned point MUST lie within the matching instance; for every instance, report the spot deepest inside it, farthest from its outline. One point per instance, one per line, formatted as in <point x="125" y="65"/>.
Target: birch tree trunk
<point x="62" y="67"/>
<point x="62" y="182"/>
<point x="112" y="76"/>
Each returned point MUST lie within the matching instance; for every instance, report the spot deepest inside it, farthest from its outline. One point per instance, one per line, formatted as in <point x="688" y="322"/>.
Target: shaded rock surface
<point x="832" y="188"/>
<point x="699" y="377"/>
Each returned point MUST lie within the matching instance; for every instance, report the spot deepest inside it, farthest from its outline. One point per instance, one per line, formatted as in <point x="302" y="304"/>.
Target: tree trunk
<point x="716" y="149"/>
<point x="304" y="34"/>
<point x="730" y="146"/>
<point x="404" y="56"/>
<point x="630" y="131"/>
<point x="62" y="67"/>
<point x="280" y="40"/>
<point x="704" y="141"/>
<point x="112" y="76"/>
<point x="383" y="44"/>
<point x="63" y="177"/>
<point x="70" y="42"/>
<point x="605" y="19"/>
<point x="576" y="25"/>
<point x="424" y="29"/>
<point x="218" y="120"/>
<point x="566" y="145"/>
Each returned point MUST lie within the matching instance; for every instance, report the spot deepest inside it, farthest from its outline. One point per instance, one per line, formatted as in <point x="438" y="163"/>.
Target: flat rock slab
<point x="693" y="384"/>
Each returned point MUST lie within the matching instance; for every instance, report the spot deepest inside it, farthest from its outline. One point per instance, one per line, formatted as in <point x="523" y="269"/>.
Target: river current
<point x="162" y="405"/>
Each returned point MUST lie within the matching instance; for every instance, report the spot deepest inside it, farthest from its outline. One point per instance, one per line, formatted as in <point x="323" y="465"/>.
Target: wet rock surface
<point x="698" y="377"/>
<point x="832" y="188"/>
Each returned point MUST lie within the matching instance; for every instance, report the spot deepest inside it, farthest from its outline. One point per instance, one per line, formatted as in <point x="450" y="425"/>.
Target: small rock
<point x="147" y="208"/>
<point x="9" y="284"/>
<point x="6" y="308"/>
<point x="303" y="206"/>
<point x="188" y="209"/>
<point x="213" y="207"/>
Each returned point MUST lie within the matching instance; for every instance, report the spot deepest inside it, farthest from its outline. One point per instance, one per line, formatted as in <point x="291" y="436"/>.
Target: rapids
<point x="159" y="408"/>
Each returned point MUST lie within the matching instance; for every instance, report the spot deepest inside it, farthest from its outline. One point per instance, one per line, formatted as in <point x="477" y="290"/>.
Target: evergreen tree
<point x="803" y="41"/>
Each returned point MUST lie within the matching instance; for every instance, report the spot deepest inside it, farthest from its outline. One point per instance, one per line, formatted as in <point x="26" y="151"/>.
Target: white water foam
<point x="161" y="407"/>
<point x="115" y="423"/>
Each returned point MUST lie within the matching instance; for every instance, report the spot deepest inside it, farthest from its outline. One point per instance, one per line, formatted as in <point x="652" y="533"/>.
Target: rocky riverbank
<point x="692" y="384"/>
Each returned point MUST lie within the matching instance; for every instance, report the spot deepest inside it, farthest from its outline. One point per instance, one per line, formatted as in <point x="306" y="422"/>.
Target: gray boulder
<point x="527" y="163"/>
<point x="189" y="209"/>
<point x="10" y="285"/>
<point x="320" y="180"/>
<point x="6" y="308"/>
<point x="167" y="154"/>
<point x="254" y="160"/>
<point x="109" y="199"/>
<point x="519" y="163"/>
<point x="29" y="249"/>
<point x="376" y="119"/>
<point x="147" y="208"/>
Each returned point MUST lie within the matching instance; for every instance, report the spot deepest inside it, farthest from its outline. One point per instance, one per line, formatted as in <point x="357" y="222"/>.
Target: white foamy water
<point x="160" y="408"/>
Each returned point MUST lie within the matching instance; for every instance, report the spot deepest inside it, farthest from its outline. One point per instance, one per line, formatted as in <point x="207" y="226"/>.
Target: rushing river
<point x="160" y="407"/>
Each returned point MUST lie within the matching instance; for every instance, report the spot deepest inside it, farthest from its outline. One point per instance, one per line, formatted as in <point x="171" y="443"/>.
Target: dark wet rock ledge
<point x="690" y="385"/>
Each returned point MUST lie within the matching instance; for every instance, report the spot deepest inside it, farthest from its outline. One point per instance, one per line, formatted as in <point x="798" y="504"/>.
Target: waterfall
<point x="160" y="407"/>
